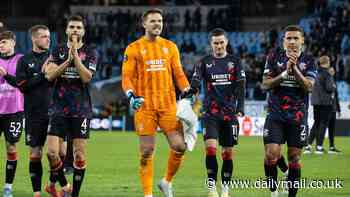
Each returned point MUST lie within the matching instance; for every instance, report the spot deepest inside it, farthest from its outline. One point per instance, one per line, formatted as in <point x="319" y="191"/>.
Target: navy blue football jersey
<point x="221" y="77"/>
<point x="288" y="101"/>
<point x="70" y="96"/>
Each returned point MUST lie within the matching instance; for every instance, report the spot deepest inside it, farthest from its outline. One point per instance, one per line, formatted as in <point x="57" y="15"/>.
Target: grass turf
<point x="113" y="165"/>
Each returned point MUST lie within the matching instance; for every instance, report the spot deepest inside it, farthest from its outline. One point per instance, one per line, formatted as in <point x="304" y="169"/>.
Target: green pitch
<point x="113" y="164"/>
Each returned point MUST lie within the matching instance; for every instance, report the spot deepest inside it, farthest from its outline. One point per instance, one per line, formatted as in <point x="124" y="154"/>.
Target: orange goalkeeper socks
<point x="174" y="162"/>
<point x="146" y="174"/>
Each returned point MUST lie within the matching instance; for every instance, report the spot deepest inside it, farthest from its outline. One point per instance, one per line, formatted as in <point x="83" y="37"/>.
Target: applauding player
<point x="11" y="105"/>
<point x="71" y="69"/>
<point x="289" y="76"/>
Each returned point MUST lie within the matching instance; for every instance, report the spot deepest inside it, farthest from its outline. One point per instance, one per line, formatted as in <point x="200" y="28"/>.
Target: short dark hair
<point x="34" y="29"/>
<point x="76" y="18"/>
<point x="293" y="28"/>
<point x="217" y="32"/>
<point x="151" y="11"/>
<point x="7" y="35"/>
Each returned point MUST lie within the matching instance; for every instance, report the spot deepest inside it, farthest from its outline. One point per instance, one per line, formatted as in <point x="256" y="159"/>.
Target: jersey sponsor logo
<point x="290" y="81"/>
<point x="71" y="73"/>
<point x="221" y="79"/>
<point x="220" y="76"/>
<point x="155" y="65"/>
<point x="31" y="65"/>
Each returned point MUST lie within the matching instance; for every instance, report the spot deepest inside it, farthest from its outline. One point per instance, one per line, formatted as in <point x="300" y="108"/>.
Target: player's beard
<point x="42" y="48"/>
<point x="78" y="38"/>
<point x="156" y="31"/>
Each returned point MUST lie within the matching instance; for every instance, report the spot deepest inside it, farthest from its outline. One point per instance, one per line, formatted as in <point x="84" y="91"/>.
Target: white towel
<point x="189" y="120"/>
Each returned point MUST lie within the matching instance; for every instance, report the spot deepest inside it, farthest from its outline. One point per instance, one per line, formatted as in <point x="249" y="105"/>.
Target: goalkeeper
<point x="150" y="68"/>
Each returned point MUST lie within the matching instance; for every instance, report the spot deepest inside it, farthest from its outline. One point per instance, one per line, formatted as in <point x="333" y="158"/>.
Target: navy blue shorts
<point x="12" y="126"/>
<point x="278" y="132"/>
<point x="226" y="132"/>
<point x="69" y="126"/>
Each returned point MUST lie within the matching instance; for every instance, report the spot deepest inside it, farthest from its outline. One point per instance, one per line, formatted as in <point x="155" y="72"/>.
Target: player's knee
<point x="180" y="148"/>
<point x="79" y="155"/>
<point x="211" y="151"/>
<point x="271" y="158"/>
<point x="11" y="148"/>
<point x="12" y="156"/>
<point x="79" y="164"/>
<point x="227" y="154"/>
<point x="147" y="151"/>
<point x="294" y="158"/>
<point x="35" y="156"/>
<point x="52" y="154"/>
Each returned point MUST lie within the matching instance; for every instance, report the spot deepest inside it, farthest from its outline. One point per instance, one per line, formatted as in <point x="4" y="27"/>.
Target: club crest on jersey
<point x="165" y="50"/>
<point x="31" y="65"/>
<point x="230" y="65"/>
<point x="82" y="56"/>
<point x="302" y="66"/>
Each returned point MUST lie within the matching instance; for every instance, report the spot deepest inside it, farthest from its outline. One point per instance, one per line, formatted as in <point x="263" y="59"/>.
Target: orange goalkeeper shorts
<point x="147" y="121"/>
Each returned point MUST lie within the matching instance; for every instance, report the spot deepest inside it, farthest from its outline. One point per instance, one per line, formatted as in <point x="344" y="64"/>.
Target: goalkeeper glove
<point x="190" y="94"/>
<point x="135" y="102"/>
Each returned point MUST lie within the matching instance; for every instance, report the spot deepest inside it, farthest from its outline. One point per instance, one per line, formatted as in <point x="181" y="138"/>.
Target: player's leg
<point x="282" y="164"/>
<point x="146" y="125"/>
<point x="69" y="159"/>
<point x="80" y="130"/>
<point x="36" y="131"/>
<point x="228" y="137"/>
<point x="56" y="133"/>
<point x="294" y="174"/>
<point x="296" y="139"/>
<point x="273" y="138"/>
<point x="35" y="168"/>
<point x="146" y="148"/>
<point x="173" y="131"/>
<point x="13" y="131"/>
<point x="211" y="162"/>
<point x="50" y="187"/>
<point x="79" y="152"/>
<point x="314" y="129"/>
<point x="331" y="134"/>
<point x="11" y="166"/>
<point x="325" y="115"/>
